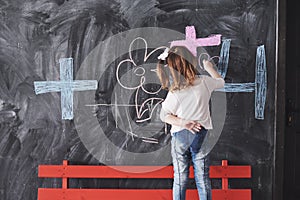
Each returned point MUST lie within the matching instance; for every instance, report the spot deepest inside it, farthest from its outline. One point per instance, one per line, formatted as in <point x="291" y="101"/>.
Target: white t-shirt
<point x="192" y="103"/>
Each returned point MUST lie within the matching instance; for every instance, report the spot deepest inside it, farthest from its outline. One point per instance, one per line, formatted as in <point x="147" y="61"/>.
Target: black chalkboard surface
<point x="117" y="122"/>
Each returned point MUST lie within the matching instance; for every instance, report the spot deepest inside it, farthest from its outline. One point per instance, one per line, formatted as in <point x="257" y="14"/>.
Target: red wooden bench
<point x="66" y="171"/>
<point x="226" y="172"/>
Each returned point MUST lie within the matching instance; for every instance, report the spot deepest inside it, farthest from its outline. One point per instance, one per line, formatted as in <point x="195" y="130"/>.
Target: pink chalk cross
<point x="191" y="42"/>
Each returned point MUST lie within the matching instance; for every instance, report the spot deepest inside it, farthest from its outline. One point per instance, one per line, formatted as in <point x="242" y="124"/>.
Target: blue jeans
<point x="186" y="149"/>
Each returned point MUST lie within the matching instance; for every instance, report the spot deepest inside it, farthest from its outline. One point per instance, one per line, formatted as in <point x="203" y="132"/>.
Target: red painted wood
<point x="232" y="194"/>
<point x="66" y="171"/>
<point x="64" y="180"/>
<point x="230" y="172"/>
<point x="82" y="171"/>
<point x="110" y="194"/>
<point x="224" y="179"/>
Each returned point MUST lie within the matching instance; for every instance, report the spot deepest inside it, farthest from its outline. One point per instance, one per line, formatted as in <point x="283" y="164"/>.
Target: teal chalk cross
<point x="66" y="86"/>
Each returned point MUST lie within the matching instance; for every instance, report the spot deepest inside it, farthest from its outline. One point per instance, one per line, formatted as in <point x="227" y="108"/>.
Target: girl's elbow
<point x="223" y="83"/>
<point x="164" y="115"/>
<point x="162" y="118"/>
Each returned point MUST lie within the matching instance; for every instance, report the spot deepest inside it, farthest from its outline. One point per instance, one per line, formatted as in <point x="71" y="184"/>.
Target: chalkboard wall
<point x="35" y="35"/>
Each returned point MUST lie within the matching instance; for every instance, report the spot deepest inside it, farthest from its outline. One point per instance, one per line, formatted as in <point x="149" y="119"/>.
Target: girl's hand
<point x="192" y="126"/>
<point x="207" y="65"/>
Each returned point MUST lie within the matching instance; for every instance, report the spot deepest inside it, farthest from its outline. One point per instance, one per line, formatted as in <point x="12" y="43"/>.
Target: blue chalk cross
<point x="260" y="84"/>
<point x="66" y="86"/>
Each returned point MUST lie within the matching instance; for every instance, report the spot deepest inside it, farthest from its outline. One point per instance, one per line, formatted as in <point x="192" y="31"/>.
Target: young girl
<point x="186" y="108"/>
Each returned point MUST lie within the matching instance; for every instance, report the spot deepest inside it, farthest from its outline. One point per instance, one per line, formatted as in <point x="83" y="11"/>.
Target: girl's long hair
<point x="180" y="66"/>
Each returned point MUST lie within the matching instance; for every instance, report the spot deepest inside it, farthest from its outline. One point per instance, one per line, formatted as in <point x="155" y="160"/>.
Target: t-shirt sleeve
<point x="169" y="106"/>
<point x="214" y="83"/>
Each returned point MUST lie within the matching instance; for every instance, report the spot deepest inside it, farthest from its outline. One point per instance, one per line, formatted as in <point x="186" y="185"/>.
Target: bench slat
<point x="230" y="172"/>
<point x="232" y="194"/>
<point x="110" y="194"/>
<point x="81" y="171"/>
